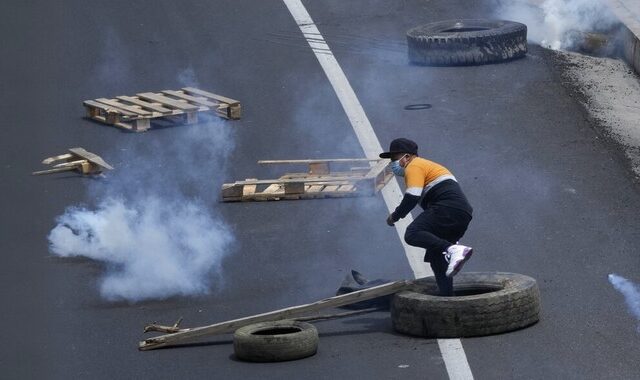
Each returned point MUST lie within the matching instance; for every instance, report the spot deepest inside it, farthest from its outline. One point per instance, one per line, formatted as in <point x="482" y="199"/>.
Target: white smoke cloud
<point x="557" y="24"/>
<point x="631" y="293"/>
<point x="152" y="248"/>
<point x="155" y="226"/>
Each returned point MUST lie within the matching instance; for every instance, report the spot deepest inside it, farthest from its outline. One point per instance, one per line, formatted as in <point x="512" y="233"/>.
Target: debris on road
<point x="355" y="281"/>
<point x="134" y="113"/>
<point x="78" y="159"/>
<point x="188" y="335"/>
<point x="318" y="182"/>
<point x="466" y="42"/>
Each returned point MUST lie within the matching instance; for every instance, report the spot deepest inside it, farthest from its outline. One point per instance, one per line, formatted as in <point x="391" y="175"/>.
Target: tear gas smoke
<point x="631" y="293"/>
<point x="152" y="248"/>
<point x="558" y="24"/>
<point x="154" y="226"/>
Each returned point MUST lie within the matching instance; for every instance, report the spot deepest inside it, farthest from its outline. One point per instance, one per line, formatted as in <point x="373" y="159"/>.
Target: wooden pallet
<point x="134" y="113"/>
<point x="318" y="182"/>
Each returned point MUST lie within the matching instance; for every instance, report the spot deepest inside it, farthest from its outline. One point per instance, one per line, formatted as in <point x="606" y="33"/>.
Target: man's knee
<point x="411" y="237"/>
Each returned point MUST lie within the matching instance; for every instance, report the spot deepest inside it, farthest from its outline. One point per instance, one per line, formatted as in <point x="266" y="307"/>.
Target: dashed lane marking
<point x="452" y="351"/>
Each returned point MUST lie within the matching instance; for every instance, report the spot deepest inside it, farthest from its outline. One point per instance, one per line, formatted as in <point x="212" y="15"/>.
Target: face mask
<point x="396" y="168"/>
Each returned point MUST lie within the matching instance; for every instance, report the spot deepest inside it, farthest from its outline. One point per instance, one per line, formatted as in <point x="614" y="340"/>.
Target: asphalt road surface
<point x="552" y="199"/>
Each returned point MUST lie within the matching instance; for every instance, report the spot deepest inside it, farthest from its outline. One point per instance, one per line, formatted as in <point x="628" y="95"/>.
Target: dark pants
<point x="435" y="230"/>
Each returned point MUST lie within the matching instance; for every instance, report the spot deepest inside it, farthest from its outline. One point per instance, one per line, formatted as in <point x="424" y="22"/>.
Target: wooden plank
<point x="330" y="188"/>
<point x="272" y="189"/>
<point x="167" y="101"/>
<point x="179" y="94"/>
<point x="91" y="157"/>
<point x="315" y="188"/>
<point x="291" y="312"/>
<point x="335" y="160"/>
<point x="116" y="104"/>
<point x="94" y="104"/>
<point x="219" y="98"/>
<point x="306" y="180"/>
<point x="249" y="189"/>
<point x="146" y="105"/>
<point x="347" y="188"/>
<point x="53" y="159"/>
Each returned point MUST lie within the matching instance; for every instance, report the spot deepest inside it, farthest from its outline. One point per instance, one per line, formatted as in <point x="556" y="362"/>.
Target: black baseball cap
<point x="400" y="145"/>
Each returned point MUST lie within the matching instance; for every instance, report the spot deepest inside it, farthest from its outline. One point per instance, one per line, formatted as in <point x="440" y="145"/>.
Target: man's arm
<point x="409" y="201"/>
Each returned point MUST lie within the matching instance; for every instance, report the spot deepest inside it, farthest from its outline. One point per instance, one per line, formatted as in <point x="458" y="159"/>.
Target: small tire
<point x="466" y="42"/>
<point x="485" y="304"/>
<point x="275" y="341"/>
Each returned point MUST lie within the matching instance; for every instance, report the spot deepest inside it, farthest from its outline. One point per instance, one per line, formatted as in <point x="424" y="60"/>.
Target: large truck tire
<point x="484" y="304"/>
<point x="466" y="42"/>
<point x="275" y="341"/>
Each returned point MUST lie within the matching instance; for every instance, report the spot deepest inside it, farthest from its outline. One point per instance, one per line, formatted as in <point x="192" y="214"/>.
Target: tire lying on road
<point x="275" y="341"/>
<point x="484" y="304"/>
<point x="466" y="42"/>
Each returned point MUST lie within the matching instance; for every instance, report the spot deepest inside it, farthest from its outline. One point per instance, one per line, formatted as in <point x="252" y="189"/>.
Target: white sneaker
<point x="458" y="255"/>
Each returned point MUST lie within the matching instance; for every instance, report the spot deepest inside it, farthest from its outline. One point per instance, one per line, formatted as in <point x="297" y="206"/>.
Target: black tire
<point x="275" y="341"/>
<point x="466" y="42"/>
<point x="484" y="304"/>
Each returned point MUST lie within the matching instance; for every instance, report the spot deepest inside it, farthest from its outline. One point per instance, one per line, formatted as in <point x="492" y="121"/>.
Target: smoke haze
<point x="154" y="225"/>
<point x="554" y="23"/>
<point x="631" y="293"/>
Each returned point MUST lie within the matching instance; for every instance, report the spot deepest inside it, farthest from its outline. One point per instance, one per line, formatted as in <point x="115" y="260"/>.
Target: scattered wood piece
<point x="78" y="159"/>
<point x="134" y="113"/>
<point x="154" y="327"/>
<point x="187" y="335"/>
<point x="318" y="182"/>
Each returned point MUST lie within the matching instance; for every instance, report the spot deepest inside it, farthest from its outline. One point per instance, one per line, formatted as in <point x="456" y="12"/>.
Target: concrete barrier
<point x="628" y="12"/>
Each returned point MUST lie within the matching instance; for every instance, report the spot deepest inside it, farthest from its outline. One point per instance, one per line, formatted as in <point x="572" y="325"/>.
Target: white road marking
<point x="452" y="351"/>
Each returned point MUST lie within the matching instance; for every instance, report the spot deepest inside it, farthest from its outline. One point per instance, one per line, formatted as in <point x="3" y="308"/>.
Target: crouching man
<point x="446" y="214"/>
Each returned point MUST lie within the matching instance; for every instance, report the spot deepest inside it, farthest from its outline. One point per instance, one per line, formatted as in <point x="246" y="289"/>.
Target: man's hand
<point x="390" y="220"/>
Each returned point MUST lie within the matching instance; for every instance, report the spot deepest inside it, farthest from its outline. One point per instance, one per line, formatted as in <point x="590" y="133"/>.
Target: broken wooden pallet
<point x="134" y="113"/>
<point x="78" y="159"/>
<point x="318" y="182"/>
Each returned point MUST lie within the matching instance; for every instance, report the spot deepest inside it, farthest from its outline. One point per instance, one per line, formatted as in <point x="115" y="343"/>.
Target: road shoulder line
<point x="452" y="351"/>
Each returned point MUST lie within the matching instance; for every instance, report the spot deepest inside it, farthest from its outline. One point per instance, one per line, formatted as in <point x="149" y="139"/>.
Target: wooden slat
<point x="249" y="189"/>
<point x="116" y="104"/>
<point x="167" y="101"/>
<point x="314" y="180"/>
<point x="315" y="188"/>
<point x="91" y="157"/>
<point x="193" y="99"/>
<point x="346" y="188"/>
<point x="330" y="188"/>
<point x="145" y="105"/>
<point x="272" y="189"/>
<point x="106" y="108"/>
<point x="230" y="326"/>
<point x="223" y="99"/>
<point x="336" y="160"/>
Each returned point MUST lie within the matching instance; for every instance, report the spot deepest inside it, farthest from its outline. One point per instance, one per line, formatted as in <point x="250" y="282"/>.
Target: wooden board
<point x="188" y="335"/>
<point x="135" y="113"/>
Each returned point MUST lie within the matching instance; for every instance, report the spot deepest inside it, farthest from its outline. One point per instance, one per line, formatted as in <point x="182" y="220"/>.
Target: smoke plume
<point x="631" y="293"/>
<point x="152" y="248"/>
<point x="558" y="24"/>
<point x="154" y="224"/>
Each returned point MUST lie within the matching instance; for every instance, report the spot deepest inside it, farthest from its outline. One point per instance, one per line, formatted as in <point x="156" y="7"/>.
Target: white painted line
<point x="452" y="352"/>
